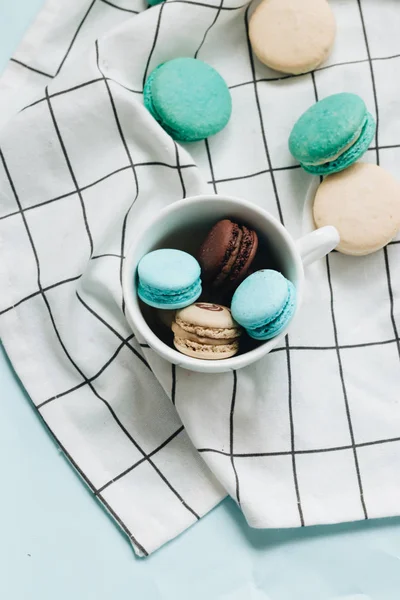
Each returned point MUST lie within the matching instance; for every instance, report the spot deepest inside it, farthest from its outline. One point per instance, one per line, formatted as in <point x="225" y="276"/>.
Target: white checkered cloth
<point x="310" y="434"/>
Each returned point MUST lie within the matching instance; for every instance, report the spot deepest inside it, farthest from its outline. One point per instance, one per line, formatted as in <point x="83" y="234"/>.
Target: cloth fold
<point x="311" y="433"/>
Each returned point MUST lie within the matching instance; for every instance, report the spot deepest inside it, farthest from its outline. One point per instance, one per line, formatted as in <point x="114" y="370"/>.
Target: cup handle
<point x="317" y="244"/>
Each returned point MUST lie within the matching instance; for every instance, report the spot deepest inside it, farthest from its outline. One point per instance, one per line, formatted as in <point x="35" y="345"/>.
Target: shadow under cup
<point x="184" y="226"/>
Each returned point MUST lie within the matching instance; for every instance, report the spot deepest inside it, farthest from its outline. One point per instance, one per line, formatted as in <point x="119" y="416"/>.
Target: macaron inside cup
<point x="180" y="291"/>
<point x="188" y="98"/>
<point x="169" y="279"/>
<point x="264" y="304"/>
<point x="227" y="254"/>
<point x="332" y="134"/>
<point x="206" y="331"/>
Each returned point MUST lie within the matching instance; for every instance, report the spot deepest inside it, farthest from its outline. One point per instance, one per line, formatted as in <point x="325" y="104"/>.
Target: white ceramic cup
<point x="184" y="225"/>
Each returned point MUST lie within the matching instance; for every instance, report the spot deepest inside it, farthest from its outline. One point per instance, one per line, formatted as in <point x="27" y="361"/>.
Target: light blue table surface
<point x="56" y="543"/>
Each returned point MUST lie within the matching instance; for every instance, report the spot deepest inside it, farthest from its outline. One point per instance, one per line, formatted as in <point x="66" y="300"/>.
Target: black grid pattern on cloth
<point x="42" y="290"/>
<point x="339" y="359"/>
<point x="74" y="37"/>
<point x="385" y="250"/>
<point x="88" y="381"/>
<point x="131" y="164"/>
<point x="124" y="9"/>
<point x="301" y="452"/>
<point x="280" y="213"/>
<point x="232" y="455"/>
<point x="129" y="341"/>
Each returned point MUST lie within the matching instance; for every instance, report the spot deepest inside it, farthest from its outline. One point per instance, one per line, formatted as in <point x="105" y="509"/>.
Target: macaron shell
<point x="221" y="243"/>
<point x="169" y="278"/>
<point x="227" y="254"/>
<point x="292" y="36"/>
<point x="175" y="301"/>
<point x="207" y="316"/>
<point x="200" y="337"/>
<point x="169" y="270"/>
<point x="188" y="98"/>
<point x="351" y="155"/>
<point x="260" y="298"/>
<point x="363" y="203"/>
<point x="277" y="325"/>
<point x="247" y="252"/>
<point x="206" y="352"/>
<point x="327" y="128"/>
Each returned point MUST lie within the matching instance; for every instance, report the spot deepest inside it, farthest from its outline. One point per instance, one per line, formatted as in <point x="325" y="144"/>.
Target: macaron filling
<point x="349" y="154"/>
<point x="248" y="248"/>
<point x="182" y="334"/>
<point x="275" y="325"/>
<point x="335" y="156"/>
<point x="207" y="332"/>
<point x="219" y="351"/>
<point x="231" y="254"/>
<point x="169" y="298"/>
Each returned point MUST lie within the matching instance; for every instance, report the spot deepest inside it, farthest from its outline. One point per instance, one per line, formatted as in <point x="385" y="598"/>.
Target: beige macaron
<point x="207" y="331"/>
<point x="363" y="203"/>
<point x="292" y="36"/>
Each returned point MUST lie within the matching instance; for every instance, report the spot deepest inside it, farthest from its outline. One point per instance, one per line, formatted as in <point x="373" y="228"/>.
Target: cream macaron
<point x="207" y="331"/>
<point x="363" y="203"/>
<point x="292" y="36"/>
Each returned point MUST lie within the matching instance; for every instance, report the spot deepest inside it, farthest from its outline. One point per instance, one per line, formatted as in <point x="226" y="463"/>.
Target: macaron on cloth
<point x="169" y="279"/>
<point x="188" y="98"/>
<point x="363" y="203"/>
<point x="292" y="36"/>
<point x="332" y="134"/>
<point x="264" y="304"/>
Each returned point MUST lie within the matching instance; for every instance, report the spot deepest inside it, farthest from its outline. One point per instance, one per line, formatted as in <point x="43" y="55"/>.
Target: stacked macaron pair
<point x="183" y="287"/>
<point x="361" y="200"/>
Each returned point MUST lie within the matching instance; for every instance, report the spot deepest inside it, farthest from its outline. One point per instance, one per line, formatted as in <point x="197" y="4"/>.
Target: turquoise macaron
<point x="169" y="279"/>
<point x="154" y="2"/>
<point x="264" y="304"/>
<point x="332" y="134"/>
<point x="188" y="98"/>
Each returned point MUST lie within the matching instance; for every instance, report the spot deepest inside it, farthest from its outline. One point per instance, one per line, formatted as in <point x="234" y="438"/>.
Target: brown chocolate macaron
<point x="227" y="253"/>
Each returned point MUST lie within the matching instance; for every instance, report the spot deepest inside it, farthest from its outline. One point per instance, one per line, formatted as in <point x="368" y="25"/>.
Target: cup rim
<point x="138" y="323"/>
